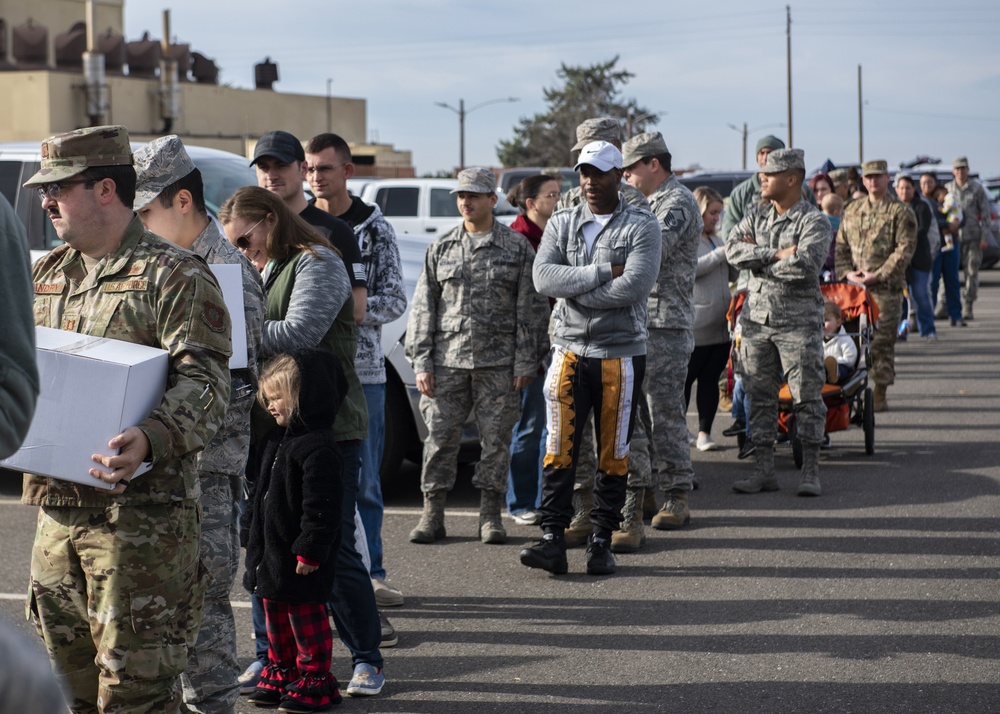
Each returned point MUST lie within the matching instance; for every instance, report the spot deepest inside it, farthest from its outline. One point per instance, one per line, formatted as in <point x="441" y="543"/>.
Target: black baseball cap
<point x="281" y="145"/>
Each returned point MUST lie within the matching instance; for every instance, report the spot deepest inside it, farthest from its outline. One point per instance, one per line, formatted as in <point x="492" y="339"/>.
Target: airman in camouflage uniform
<point x="971" y="195"/>
<point x="473" y="341"/>
<point x="671" y="320"/>
<point x="116" y="581"/>
<point x="169" y="200"/>
<point x="783" y="244"/>
<point x="639" y="476"/>
<point x="875" y="243"/>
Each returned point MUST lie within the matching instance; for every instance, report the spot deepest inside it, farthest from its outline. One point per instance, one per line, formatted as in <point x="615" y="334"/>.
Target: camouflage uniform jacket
<point x="746" y="195"/>
<point x="149" y="292"/>
<point x="386" y="295"/>
<point x="784" y="293"/>
<point x="574" y="197"/>
<point x="976" y="207"/>
<point x="879" y="238"/>
<point x="597" y="315"/>
<point x="475" y="306"/>
<point x="671" y="304"/>
<point x="227" y="453"/>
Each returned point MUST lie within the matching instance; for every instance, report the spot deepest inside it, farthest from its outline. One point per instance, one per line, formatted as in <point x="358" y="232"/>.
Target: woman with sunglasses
<point x="536" y="198"/>
<point x="309" y="304"/>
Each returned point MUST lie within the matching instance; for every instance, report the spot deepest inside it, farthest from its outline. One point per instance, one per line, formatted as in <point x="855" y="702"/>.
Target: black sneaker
<point x="600" y="561"/>
<point x="736" y="429"/>
<point x="265" y="697"/>
<point x="747" y="450"/>
<point x="547" y="554"/>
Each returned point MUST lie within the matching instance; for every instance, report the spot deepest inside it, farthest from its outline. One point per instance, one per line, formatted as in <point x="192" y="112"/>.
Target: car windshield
<point x="222" y="177"/>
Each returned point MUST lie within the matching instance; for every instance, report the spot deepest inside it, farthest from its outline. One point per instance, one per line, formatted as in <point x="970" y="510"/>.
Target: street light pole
<point x="744" y="131"/>
<point x="462" y="111"/>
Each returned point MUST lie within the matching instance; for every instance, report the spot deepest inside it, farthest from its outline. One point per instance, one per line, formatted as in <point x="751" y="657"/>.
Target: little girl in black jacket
<point x="291" y="529"/>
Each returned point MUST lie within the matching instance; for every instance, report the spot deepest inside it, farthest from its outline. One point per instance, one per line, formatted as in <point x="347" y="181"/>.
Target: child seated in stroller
<point x="840" y="352"/>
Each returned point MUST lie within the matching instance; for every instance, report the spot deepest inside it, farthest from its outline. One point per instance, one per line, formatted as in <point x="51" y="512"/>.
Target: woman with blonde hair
<point x="711" y="331"/>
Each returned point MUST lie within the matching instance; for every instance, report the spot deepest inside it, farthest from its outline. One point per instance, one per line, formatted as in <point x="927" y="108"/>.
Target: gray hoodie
<point x="597" y="316"/>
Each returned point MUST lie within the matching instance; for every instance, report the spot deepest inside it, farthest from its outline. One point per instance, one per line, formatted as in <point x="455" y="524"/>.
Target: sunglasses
<point x="243" y="242"/>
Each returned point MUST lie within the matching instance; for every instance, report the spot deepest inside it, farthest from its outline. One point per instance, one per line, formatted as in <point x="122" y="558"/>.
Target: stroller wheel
<point x="868" y="421"/>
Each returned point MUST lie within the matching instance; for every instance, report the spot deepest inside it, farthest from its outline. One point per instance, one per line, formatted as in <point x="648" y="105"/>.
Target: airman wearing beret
<point x="114" y="279"/>
<point x="875" y="243"/>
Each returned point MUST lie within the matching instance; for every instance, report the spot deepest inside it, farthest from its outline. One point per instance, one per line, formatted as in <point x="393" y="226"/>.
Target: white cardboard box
<point x="92" y="389"/>
<point x="230" y="279"/>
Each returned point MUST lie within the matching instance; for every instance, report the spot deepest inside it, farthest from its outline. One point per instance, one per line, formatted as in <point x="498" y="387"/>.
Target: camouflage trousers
<point x="116" y="595"/>
<point x="972" y="260"/>
<point x="488" y="394"/>
<point x="640" y="473"/>
<point x="667" y="355"/>
<point x="890" y="312"/>
<point x="209" y="685"/>
<point x="766" y="351"/>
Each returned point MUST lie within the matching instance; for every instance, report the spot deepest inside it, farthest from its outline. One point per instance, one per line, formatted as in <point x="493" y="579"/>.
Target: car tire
<point x="400" y="433"/>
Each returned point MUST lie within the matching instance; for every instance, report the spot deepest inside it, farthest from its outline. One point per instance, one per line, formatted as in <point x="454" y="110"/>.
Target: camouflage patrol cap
<point x="960" y="163"/>
<point x="640" y="146"/>
<point x="874" y="168"/>
<point x="476" y="180"/>
<point x="784" y="160"/>
<point x="72" y="153"/>
<point x="160" y="163"/>
<point x="599" y="129"/>
<point x="839" y="177"/>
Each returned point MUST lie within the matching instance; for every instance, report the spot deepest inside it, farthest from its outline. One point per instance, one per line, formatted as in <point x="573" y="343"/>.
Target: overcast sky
<point x="931" y="70"/>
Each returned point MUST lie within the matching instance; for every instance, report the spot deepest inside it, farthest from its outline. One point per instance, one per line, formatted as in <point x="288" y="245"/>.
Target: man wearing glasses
<point x="328" y="166"/>
<point x="116" y="578"/>
<point x="280" y="162"/>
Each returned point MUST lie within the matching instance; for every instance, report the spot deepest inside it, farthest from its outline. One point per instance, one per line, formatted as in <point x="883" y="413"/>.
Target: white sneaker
<point x="527" y="518"/>
<point x="385" y="594"/>
<point x="705" y="443"/>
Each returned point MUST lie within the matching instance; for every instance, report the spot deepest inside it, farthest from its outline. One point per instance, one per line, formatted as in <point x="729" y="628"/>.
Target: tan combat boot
<point x="675" y="512"/>
<point x="580" y="528"/>
<point x="491" y="530"/>
<point x="879" y="404"/>
<point x="762" y="478"/>
<point x="431" y="525"/>
<point x="967" y="313"/>
<point x="632" y="535"/>
<point x="809" y="485"/>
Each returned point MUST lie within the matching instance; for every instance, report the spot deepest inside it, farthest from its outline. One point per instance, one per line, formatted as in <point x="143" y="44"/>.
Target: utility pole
<point x="861" y="128"/>
<point x="788" y="45"/>
<point x="462" y="111"/>
<point x="329" y="105"/>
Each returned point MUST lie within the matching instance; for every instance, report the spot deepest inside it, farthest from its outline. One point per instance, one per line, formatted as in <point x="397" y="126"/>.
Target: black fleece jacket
<point x="294" y="508"/>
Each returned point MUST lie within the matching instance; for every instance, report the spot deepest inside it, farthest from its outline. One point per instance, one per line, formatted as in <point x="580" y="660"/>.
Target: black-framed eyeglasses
<point x="54" y="190"/>
<point x="243" y="242"/>
<point x="324" y="168"/>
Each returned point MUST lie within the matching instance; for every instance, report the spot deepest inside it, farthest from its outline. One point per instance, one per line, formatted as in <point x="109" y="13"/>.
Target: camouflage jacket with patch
<point x="671" y="303"/>
<point x="879" y="238"/>
<point x="475" y="304"/>
<point x="149" y="292"/>
<point x="227" y="452"/>
<point x="784" y="293"/>
<point x="975" y="205"/>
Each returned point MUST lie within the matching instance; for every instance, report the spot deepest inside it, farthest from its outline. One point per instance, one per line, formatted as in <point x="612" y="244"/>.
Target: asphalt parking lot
<point x="880" y="596"/>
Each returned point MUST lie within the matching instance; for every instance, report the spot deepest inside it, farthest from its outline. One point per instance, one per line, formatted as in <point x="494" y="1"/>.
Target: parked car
<point x="419" y="206"/>
<point x="722" y="181"/>
<point x="222" y="172"/>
